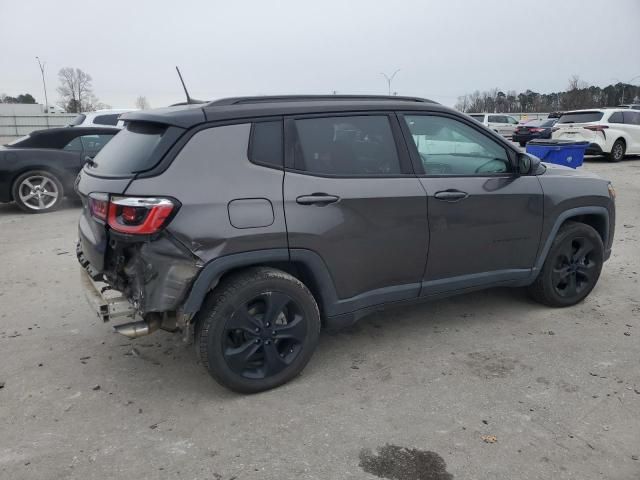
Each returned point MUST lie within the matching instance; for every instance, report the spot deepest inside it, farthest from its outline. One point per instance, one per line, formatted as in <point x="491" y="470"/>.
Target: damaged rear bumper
<point x="108" y="304"/>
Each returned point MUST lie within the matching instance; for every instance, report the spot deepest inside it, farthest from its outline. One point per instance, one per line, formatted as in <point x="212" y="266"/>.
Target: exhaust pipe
<point x="140" y="328"/>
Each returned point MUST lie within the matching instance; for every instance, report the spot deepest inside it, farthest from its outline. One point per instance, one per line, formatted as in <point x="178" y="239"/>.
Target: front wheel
<point x="257" y="330"/>
<point x="37" y="191"/>
<point x="572" y="267"/>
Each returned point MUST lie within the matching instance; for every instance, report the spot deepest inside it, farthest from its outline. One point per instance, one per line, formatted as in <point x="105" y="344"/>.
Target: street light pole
<point x="389" y="79"/>
<point x="46" y="100"/>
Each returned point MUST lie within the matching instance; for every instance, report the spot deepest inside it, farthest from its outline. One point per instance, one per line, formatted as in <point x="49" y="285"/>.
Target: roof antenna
<point x="184" y="86"/>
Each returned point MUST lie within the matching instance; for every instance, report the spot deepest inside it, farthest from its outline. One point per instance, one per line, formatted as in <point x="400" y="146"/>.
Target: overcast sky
<point x="444" y="48"/>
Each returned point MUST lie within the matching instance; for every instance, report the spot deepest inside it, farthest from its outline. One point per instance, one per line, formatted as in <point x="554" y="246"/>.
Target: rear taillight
<point x="132" y="215"/>
<point x="139" y="215"/>
<point x="596" y="128"/>
<point x="536" y="130"/>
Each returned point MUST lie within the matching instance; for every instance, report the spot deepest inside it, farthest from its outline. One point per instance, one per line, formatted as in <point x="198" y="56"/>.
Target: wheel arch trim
<point x="213" y="271"/>
<point x="563" y="217"/>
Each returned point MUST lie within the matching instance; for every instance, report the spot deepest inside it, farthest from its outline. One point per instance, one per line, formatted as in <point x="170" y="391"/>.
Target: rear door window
<point x="130" y="151"/>
<point x="349" y="145"/>
<point x="581" y="117"/>
<point x="631" y="118"/>
<point x="110" y="119"/>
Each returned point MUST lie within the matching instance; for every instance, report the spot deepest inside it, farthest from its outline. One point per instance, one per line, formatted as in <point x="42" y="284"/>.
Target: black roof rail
<point x="312" y="98"/>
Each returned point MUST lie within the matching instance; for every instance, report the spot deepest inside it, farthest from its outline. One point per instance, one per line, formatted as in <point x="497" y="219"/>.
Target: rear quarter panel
<point x="210" y="172"/>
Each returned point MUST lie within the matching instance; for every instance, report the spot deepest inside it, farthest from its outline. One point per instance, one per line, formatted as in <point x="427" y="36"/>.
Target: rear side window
<point x="479" y="118"/>
<point x="266" y="144"/>
<point x="130" y="151"/>
<point x="358" y="145"/>
<point x="111" y="119"/>
<point x="616" y="118"/>
<point x="581" y="117"/>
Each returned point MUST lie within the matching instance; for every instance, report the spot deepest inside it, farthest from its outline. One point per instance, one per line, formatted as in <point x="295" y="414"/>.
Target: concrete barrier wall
<point x="16" y="126"/>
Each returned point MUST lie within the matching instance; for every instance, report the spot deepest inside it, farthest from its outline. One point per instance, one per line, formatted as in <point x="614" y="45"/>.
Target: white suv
<point x="610" y="131"/>
<point x="500" y="123"/>
<point x="99" y="118"/>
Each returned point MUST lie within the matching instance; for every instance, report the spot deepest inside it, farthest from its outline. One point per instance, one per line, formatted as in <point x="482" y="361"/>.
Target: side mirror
<point x="89" y="161"/>
<point x="527" y="164"/>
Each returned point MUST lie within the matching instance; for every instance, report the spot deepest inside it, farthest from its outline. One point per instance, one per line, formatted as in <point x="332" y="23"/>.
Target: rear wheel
<point x="37" y="191"/>
<point x="257" y="330"/>
<point x="572" y="267"/>
<point x="617" y="150"/>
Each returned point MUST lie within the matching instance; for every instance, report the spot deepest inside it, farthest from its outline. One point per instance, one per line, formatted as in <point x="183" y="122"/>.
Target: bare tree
<point x="76" y="91"/>
<point x="142" y="103"/>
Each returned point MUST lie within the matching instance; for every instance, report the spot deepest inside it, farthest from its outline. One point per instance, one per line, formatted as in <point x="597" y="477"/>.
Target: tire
<point x="572" y="267"/>
<point x="618" y="150"/>
<point x="37" y="191"/>
<point x="243" y="346"/>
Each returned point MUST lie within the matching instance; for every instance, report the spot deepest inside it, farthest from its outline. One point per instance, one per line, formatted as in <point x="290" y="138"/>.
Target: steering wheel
<point x="434" y="168"/>
<point x="499" y="166"/>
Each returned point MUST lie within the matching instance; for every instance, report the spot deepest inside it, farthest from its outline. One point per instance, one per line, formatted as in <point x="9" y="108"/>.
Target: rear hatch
<point x="137" y="149"/>
<point x="579" y="126"/>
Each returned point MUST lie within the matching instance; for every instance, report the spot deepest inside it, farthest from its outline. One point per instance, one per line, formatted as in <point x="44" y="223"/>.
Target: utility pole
<point x="389" y="79"/>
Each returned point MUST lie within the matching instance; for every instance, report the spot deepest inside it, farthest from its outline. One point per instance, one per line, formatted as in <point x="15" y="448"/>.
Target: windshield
<point x="580" y="117"/>
<point x="130" y="151"/>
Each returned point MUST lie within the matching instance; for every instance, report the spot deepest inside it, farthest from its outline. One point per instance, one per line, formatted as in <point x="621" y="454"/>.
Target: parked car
<point x="500" y="123"/>
<point x="250" y="223"/>
<point x="533" y="129"/>
<point x="38" y="170"/>
<point x="99" y="118"/>
<point x="633" y="106"/>
<point x="610" y="131"/>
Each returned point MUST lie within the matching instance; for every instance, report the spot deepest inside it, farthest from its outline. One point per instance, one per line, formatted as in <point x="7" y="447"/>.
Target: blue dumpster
<point x="560" y="152"/>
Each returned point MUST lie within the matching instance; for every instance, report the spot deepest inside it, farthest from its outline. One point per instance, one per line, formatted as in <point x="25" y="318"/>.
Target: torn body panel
<point x="155" y="276"/>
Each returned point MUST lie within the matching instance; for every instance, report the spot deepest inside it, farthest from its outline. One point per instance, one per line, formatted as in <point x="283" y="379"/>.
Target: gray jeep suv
<point x="249" y="223"/>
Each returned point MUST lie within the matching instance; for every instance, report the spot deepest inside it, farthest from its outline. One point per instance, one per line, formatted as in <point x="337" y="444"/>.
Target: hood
<point x="553" y="170"/>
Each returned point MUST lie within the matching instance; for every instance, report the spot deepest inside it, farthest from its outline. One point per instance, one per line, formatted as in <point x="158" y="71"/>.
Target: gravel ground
<point x="487" y="385"/>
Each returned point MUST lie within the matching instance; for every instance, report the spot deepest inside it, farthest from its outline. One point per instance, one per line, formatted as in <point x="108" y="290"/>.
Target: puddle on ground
<point x="399" y="463"/>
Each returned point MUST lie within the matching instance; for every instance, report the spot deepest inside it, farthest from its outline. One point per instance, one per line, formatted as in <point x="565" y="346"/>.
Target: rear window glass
<point x="580" y="117"/>
<point x="130" y="151"/>
<point x="265" y="146"/>
<point x="549" y="123"/>
<point x="78" y="119"/>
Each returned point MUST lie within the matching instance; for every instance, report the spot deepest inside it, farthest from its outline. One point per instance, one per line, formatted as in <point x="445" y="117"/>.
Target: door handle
<point x="451" y="195"/>
<point x="320" y="199"/>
